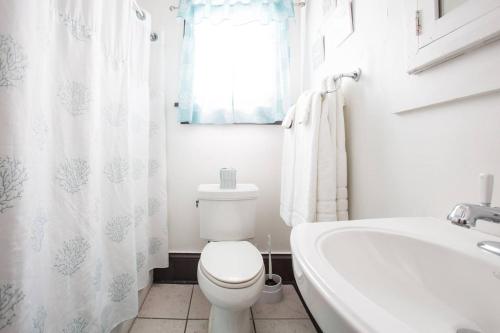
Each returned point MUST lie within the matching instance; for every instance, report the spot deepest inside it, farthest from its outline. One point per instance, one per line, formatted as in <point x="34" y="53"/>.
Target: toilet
<point x="231" y="270"/>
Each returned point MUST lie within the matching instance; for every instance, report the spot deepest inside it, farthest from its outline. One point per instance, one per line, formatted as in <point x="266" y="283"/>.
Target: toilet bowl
<point x="231" y="276"/>
<point x="231" y="270"/>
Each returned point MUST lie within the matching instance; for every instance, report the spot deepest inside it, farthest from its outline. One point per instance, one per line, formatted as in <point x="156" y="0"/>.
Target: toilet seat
<point x="231" y="264"/>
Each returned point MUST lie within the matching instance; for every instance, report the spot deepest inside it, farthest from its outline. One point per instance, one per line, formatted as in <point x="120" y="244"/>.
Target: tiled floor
<point x="177" y="308"/>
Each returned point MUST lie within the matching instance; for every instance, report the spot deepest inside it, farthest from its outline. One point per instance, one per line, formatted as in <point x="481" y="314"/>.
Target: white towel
<point x="303" y="107"/>
<point x="326" y="205"/>
<point x="305" y="176"/>
<point x="289" y="118"/>
<point x="288" y="157"/>
<point x="287" y="168"/>
<point x="335" y="104"/>
<point x="314" y="168"/>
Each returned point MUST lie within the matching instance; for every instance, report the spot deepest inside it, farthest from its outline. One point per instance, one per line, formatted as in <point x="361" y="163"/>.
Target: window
<point x="235" y="67"/>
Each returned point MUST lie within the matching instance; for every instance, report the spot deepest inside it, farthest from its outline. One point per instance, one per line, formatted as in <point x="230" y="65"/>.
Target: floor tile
<point x="284" y="326"/>
<point x="197" y="326"/>
<point x="289" y="307"/>
<point x="200" y="326"/>
<point x="200" y="306"/>
<point x="158" y="326"/>
<point x="167" y="301"/>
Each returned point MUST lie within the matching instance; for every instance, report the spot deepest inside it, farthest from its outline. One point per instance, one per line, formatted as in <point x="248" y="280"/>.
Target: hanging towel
<point x="334" y="102"/>
<point x="300" y="161"/>
<point x="314" y="168"/>
<point x="288" y="157"/>
<point x="289" y="118"/>
<point x="326" y="205"/>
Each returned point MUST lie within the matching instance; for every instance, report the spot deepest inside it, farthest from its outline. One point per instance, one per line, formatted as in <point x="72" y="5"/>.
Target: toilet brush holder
<point x="272" y="293"/>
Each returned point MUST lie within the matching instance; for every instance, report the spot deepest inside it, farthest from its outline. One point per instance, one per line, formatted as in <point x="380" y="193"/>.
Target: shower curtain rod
<point x="355" y="75"/>
<point x="300" y="4"/>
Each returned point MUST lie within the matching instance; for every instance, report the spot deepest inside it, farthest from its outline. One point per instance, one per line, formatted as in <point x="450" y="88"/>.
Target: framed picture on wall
<point x="329" y="6"/>
<point x="337" y="23"/>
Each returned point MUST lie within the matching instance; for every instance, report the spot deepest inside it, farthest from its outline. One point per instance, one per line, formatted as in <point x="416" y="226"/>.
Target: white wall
<point x="417" y="163"/>
<point x="195" y="153"/>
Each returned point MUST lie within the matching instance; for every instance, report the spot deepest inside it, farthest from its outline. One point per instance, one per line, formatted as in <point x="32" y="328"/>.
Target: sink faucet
<point x="466" y="215"/>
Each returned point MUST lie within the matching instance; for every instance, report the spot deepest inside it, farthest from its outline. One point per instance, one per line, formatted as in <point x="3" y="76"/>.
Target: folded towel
<point x="341" y="193"/>
<point x="303" y="107"/>
<point x="287" y="170"/>
<point x="341" y="164"/>
<point x="314" y="164"/>
<point x="326" y="179"/>
<point x="335" y="104"/>
<point x="289" y="118"/>
<point x="305" y="178"/>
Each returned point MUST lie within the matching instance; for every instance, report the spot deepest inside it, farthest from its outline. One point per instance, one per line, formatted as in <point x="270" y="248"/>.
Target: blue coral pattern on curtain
<point x="235" y="61"/>
<point x="82" y="165"/>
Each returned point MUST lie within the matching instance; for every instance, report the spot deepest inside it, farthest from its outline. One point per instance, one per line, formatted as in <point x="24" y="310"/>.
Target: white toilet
<point x="231" y="270"/>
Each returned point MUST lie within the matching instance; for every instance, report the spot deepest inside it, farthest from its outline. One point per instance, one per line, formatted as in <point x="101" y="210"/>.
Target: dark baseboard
<point x="182" y="268"/>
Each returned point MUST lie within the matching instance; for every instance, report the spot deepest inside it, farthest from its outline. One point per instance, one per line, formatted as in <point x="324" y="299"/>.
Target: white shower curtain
<point x="82" y="165"/>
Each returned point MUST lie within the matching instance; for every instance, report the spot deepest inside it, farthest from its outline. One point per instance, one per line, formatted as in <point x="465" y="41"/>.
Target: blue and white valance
<point x="236" y="11"/>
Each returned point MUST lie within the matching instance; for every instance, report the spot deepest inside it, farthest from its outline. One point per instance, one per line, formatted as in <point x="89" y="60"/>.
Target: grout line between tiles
<point x="168" y="318"/>
<point x="189" y="308"/>
<point x="253" y="320"/>
<point x="140" y="307"/>
<point x="132" y="326"/>
<point x="154" y="318"/>
<point x="282" y="319"/>
<point x="144" y="300"/>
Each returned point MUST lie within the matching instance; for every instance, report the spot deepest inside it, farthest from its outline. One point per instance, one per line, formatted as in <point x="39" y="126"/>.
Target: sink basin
<point x="397" y="275"/>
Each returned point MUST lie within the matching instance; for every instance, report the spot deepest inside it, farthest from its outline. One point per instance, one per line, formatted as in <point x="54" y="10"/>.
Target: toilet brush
<point x="273" y="288"/>
<point x="269" y="280"/>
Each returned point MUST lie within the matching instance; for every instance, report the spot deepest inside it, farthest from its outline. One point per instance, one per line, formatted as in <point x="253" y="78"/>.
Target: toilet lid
<point x="231" y="262"/>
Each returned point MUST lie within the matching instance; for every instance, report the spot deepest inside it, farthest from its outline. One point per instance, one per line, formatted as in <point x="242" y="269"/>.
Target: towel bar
<point x="355" y="75"/>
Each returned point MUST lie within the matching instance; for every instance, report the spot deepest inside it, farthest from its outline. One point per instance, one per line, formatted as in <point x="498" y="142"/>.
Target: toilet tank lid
<point x="214" y="192"/>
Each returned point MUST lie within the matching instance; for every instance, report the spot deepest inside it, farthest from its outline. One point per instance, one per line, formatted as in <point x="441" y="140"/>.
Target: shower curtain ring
<point x="140" y="14"/>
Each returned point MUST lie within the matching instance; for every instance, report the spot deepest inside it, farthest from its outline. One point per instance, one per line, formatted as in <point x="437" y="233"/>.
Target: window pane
<point x="236" y="77"/>
<point x="235" y="61"/>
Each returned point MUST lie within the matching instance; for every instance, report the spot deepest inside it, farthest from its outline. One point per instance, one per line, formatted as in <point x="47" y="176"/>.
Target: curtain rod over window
<point x="299" y="4"/>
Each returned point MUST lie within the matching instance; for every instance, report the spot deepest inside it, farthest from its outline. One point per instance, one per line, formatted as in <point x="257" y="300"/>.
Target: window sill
<point x="277" y="123"/>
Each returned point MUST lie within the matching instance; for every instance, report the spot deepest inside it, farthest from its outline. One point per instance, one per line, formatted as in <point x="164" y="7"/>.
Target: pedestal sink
<point x="397" y="275"/>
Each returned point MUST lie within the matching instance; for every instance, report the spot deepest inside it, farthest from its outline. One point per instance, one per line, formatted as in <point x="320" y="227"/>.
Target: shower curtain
<point x="82" y="165"/>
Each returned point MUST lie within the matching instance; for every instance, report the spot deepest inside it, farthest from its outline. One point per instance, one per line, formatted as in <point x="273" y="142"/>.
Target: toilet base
<point x="226" y="321"/>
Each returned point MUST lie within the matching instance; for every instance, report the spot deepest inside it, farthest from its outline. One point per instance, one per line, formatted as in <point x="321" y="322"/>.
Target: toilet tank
<point x="227" y="214"/>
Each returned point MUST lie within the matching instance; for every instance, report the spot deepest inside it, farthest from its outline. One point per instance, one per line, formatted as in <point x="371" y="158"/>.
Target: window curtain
<point x="82" y="165"/>
<point x="235" y="61"/>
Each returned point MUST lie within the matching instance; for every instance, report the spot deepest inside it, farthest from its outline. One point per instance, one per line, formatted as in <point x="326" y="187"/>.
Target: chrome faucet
<point x="466" y="215"/>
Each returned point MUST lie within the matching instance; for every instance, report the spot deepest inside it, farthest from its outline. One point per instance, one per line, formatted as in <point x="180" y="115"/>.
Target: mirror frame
<point x="434" y="40"/>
